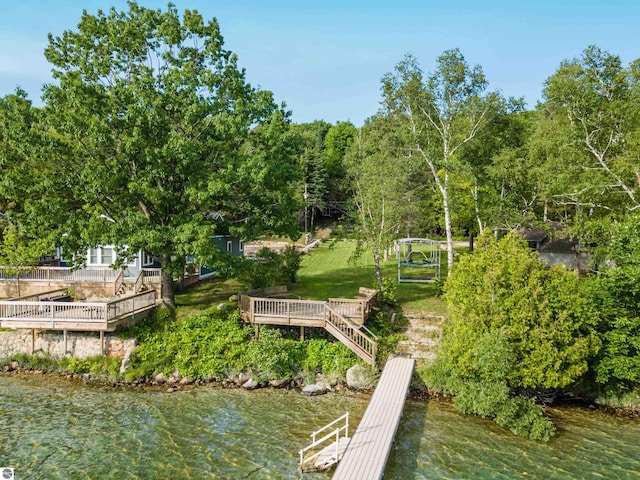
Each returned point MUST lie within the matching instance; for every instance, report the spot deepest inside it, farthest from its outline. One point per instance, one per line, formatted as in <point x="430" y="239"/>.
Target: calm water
<point x="53" y="429"/>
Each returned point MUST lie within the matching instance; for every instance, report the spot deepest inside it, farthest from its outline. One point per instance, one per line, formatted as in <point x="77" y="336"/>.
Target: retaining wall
<point x="79" y="344"/>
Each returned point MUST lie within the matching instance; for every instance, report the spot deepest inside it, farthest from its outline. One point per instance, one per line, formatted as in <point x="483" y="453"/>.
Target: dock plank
<point x="367" y="453"/>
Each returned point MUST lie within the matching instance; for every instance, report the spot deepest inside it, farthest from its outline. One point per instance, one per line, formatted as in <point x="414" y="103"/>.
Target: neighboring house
<point x="104" y="256"/>
<point x="225" y="243"/>
<point x="555" y="247"/>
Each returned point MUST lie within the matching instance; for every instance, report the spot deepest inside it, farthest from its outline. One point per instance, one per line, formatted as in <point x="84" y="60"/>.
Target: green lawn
<point x="328" y="271"/>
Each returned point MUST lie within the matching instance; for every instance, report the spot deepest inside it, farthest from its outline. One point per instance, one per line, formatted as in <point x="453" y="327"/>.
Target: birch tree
<point x="377" y="175"/>
<point x="590" y="101"/>
<point x="445" y="112"/>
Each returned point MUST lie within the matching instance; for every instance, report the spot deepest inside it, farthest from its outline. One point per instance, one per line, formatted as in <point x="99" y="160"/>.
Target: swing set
<point x="418" y="260"/>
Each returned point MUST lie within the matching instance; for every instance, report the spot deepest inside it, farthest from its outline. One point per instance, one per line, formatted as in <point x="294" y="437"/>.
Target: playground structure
<point x="418" y="260"/>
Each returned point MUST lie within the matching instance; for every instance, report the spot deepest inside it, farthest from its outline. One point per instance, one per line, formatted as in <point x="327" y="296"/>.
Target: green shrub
<point x="269" y="268"/>
<point x="97" y="365"/>
<point x="273" y="357"/>
<point x="201" y="346"/>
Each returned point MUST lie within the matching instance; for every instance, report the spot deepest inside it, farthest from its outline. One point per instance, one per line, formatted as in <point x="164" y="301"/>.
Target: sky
<point x="325" y="59"/>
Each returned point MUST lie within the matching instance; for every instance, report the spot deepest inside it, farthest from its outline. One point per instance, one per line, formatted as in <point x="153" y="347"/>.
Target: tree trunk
<point x="376" y="263"/>
<point x="447" y="222"/>
<point x="168" y="287"/>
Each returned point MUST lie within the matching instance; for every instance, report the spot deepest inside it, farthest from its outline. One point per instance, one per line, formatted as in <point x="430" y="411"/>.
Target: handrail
<point x="37" y="297"/>
<point x="358" y="342"/>
<point x="316" y="442"/>
<point x="117" y="284"/>
<point x="137" y="286"/>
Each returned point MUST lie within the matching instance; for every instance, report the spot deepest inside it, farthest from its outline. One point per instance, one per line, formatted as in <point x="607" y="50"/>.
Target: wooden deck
<point x="37" y="313"/>
<point x="343" y="318"/>
<point x="368" y="451"/>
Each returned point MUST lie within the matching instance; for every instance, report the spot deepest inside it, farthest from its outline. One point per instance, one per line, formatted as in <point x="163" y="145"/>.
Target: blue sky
<point x="325" y="58"/>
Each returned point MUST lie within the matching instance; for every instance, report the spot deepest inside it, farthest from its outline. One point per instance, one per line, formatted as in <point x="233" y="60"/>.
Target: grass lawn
<point x="204" y="295"/>
<point x="327" y="271"/>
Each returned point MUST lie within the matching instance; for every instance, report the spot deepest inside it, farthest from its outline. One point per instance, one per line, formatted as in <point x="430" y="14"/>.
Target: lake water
<point x="54" y="429"/>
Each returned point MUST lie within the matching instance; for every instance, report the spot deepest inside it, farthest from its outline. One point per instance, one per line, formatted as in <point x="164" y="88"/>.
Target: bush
<point x="269" y="268"/>
<point x="272" y="357"/>
<point x="201" y="346"/>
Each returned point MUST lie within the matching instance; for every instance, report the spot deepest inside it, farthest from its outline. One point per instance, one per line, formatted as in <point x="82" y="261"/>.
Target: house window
<point x="241" y="246"/>
<point x="107" y="256"/>
<point x="229" y="246"/>
<point x="147" y="259"/>
<point x="101" y="256"/>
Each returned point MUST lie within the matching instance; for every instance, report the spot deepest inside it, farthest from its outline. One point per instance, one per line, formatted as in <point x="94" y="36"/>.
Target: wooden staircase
<point x="358" y="338"/>
<point x="342" y="318"/>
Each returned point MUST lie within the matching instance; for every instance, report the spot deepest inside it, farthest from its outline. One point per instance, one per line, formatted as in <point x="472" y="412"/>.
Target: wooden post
<point x="257" y="331"/>
<point x="302" y="333"/>
<point x="64" y="334"/>
<point x="33" y="341"/>
<point x="101" y="342"/>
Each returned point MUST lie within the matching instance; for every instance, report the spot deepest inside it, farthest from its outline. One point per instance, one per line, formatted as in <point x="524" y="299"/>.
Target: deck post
<point x="302" y="333"/>
<point x="64" y="335"/>
<point x="257" y="331"/>
<point x="33" y="341"/>
<point x="101" y="342"/>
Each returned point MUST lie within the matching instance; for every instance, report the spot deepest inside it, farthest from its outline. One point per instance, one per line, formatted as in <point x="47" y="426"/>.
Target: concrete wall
<point x="79" y="344"/>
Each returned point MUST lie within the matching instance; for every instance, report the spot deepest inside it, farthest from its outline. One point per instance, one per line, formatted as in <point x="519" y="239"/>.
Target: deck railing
<point x="60" y="274"/>
<point x="131" y="304"/>
<point x="316" y="443"/>
<point x="51" y="315"/>
<point x="272" y="307"/>
<point x="39" y="297"/>
<point x="153" y="275"/>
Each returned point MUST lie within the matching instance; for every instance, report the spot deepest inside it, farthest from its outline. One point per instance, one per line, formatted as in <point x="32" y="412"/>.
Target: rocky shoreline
<point x="358" y="378"/>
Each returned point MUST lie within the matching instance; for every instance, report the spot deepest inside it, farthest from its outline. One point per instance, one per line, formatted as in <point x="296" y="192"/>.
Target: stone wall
<point x="78" y="344"/>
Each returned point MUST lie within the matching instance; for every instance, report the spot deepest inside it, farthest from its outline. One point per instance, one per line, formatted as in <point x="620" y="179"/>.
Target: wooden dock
<point x="368" y="451"/>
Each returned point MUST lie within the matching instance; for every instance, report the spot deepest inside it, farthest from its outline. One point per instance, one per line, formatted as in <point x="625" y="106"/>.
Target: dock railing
<point x="317" y="443"/>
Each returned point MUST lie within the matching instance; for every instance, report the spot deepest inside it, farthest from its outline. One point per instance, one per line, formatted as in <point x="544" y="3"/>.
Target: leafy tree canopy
<point x="154" y="132"/>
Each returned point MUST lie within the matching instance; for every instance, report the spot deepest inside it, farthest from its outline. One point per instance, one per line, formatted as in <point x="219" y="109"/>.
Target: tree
<point x="314" y="179"/>
<point x="618" y="292"/>
<point x="25" y="181"/>
<point x="376" y="170"/>
<point x="515" y="327"/>
<point x="589" y="101"/>
<point x="156" y="132"/>
<point x="445" y="112"/>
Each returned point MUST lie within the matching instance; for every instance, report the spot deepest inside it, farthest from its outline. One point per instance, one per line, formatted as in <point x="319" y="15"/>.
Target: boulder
<point x="282" y="383"/>
<point x="250" y="384"/>
<point x="314" y="389"/>
<point x="360" y="377"/>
